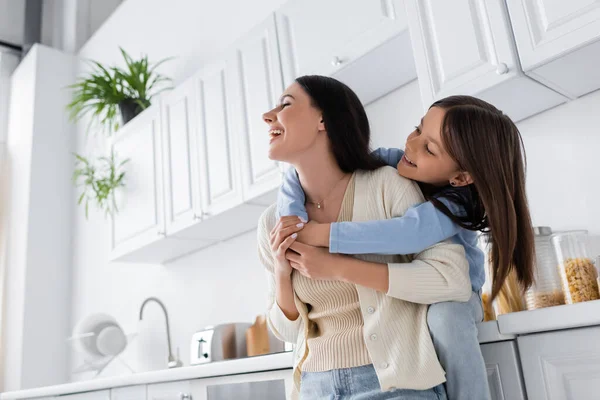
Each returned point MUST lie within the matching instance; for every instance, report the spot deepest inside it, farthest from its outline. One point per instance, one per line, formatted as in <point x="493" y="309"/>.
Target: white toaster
<point x="220" y="342"/>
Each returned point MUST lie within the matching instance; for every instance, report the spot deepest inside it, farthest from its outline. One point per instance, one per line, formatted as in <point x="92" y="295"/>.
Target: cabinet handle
<point x="501" y="69"/>
<point x="197" y="217"/>
<point x="206" y="214"/>
<point x="161" y="233"/>
<point x="185" y="396"/>
<point x="336" y="62"/>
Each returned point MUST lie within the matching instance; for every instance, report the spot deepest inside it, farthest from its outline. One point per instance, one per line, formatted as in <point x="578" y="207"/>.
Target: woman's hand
<point x="315" y="262"/>
<point x="282" y="236"/>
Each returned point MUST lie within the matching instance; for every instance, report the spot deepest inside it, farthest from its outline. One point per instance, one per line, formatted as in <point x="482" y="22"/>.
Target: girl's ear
<point x="461" y="179"/>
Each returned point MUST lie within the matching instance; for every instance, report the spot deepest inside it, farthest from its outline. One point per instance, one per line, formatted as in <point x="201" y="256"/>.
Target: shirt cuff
<point x="334" y="233"/>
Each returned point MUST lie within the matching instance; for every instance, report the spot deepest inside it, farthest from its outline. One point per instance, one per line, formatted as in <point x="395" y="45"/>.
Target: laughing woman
<point x="359" y="324"/>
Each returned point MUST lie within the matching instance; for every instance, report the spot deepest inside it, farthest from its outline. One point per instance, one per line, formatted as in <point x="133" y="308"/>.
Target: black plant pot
<point x="130" y="108"/>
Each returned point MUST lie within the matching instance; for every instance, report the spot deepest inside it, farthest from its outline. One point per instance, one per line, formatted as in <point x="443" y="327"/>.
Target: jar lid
<point x="542" y="230"/>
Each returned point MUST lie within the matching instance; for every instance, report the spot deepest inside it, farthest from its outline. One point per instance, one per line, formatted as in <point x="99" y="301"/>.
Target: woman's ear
<point x="461" y="179"/>
<point x="321" y="125"/>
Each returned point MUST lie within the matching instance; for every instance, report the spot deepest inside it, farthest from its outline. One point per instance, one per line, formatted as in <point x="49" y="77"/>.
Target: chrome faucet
<point x="172" y="362"/>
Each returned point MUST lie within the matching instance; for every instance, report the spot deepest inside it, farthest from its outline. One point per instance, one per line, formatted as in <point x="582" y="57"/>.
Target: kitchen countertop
<point x="551" y="319"/>
<point x="508" y="327"/>
<point x="268" y="362"/>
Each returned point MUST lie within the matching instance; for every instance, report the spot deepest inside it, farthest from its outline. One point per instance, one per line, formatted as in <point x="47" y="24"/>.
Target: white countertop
<point x="508" y="327"/>
<point x="551" y="319"/>
<point x="268" y="362"/>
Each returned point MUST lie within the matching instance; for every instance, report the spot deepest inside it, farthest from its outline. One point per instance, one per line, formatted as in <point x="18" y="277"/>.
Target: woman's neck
<point x="319" y="176"/>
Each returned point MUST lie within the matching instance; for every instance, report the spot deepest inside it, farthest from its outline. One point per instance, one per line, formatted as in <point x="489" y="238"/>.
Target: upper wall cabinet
<point x="331" y="37"/>
<point x="179" y="122"/>
<point x="467" y="47"/>
<point x="559" y="42"/>
<point x="199" y="157"/>
<point x="139" y="231"/>
<point x="218" y="162"/>
<point x="257" y="87"/>
<point x="140" y="219"/>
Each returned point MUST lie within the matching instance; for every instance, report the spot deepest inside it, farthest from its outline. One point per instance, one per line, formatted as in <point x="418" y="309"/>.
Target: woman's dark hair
<point x="345" y="120"/>
<point x="487" y="144"/>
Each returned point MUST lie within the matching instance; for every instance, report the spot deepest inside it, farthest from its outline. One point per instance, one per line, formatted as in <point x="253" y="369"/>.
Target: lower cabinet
<point x="503" y="371"/>
<point x="272" y="385"/>
<point x="563" y="365"/>
<point x="97" y="395"/>
<point x="181" y="390"/>
<point x="129" y="393"/>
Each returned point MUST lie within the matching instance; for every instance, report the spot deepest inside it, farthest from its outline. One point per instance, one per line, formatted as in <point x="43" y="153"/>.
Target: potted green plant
<point x="99" y="180"/>
<point x="109" y="92"/>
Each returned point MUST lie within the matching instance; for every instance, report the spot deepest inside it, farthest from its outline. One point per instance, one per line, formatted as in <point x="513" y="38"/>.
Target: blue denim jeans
<point x="359" y="383"/>
<point x="453" y="328"/>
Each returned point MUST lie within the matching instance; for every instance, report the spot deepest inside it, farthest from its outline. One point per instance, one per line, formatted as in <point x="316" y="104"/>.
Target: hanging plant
<point x="108" y="93"/>
<point x="99" y="182"/>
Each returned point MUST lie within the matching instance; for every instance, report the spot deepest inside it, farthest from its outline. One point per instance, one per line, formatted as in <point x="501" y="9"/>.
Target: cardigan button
<point x="370" y="310"/>
<point x="383" y="365"/>
<point x="373" y="337"/>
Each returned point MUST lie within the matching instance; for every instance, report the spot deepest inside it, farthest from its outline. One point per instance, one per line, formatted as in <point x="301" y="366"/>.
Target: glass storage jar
<point x="546" y="290"/>
<point x="577" y="271"/>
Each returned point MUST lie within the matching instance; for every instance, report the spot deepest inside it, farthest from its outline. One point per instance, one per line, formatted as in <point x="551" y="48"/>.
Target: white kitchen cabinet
<point x="561" y="365"/>
<point x="218" y="146"/>
<point x="257" y="87"/>
<point x="140" y="218"/>
<point x="321" y="38"/>
<point x="559" y="42"/>
<point x="332" y="38"/>
<point x="503" y="371"/>
<point x="128" y="393"/>
<point x="138" y="228"/>
<point x="181" y="390"/>
<point x="219" y="162"/>
<point x="467" y="47"/>
<point x="97" y="395"/>
<point x="272" y="385"/>
<point x="179" y="122"/>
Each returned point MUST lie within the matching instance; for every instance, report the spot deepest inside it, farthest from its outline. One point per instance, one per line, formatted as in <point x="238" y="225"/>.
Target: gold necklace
<point x="320" y="204"/>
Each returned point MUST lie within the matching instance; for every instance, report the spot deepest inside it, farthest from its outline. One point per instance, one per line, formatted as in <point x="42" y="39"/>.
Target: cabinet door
<point x="98" y="395"/>
<point x="257" y="88"/>
<point x="181" y="390"/>
<point x="563" y="365"/>
<point x="140" y="219"/>
<point x="218" y="150"/>
<point x="461" y="46"/>
<point x="503" y="371"/>
<point x="321" y="37"/>
<point x="179" y="139"/>
<point x="272" y="385"/>
<point x="129" y="393"/>
<point x="546" y="29"/>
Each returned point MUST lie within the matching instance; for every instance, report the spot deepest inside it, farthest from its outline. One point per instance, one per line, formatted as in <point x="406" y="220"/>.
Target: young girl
<point x="468" y="159"/>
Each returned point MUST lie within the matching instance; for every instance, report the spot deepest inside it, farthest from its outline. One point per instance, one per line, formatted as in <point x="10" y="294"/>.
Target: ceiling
<point x="12" y="21"/>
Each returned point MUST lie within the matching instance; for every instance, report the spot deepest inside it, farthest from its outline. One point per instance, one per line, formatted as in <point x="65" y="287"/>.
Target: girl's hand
<point x="315" y="262"/>
<point x="282" y="236"/>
